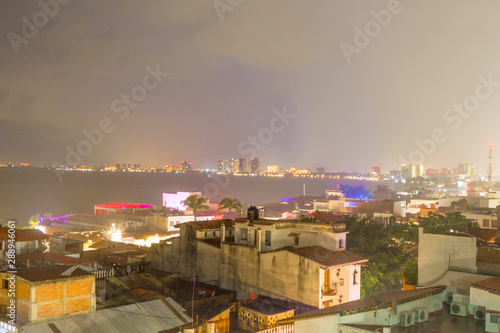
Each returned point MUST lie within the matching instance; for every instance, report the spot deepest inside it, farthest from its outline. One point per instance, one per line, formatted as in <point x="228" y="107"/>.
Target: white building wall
<point x="484" y="298"/>
<point x="173" y="200"/>
<point x="386" y="317"/>
<point x="326" y="324"/>
<point x="436" y="252"/>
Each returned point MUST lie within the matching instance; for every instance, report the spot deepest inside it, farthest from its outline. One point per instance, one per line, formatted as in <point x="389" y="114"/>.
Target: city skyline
<point x="351" y="85"/>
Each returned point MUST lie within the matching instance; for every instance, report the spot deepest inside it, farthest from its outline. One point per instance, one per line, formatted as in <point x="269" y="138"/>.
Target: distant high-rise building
<point x="273" y="168"/>
<point x="254" y="165"/>
<point x="376" y="170"/>
<point x="235" y="165"/>
<point x="242" y="165"/>
<point x="221" y="167"/>
<point x="118" y="166"/>
<point x="129" y="166"/>
<point x="466" y="169"/>
<point x="412" y="170"/>
<point x="186" y="166"/>
<point x="320" y="170"/>
<point x="228" y="166"/>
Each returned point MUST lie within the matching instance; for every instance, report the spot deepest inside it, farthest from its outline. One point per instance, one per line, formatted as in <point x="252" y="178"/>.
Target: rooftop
<point x="24" y="235"/>
<point x="122" y="205"/>
<point x="50" y="273"/>
<point x="208" y="225"/>
<point x="330" y="218"/>
<point x="366" y="304"/>
<point x="153" y="316"/>
<point x="492" y="285"/>
<point x="52" y="257"/>
<point x="327" y="257"/>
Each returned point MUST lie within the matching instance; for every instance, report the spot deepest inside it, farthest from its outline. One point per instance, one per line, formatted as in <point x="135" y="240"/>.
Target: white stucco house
<point x="304" y="262"/>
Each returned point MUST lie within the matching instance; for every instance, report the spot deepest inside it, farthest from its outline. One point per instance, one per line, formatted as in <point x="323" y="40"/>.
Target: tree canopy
<point x="195" y="203"/>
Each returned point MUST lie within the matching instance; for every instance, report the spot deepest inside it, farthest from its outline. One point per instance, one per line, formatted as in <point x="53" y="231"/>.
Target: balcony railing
<point x="329" y="290"/>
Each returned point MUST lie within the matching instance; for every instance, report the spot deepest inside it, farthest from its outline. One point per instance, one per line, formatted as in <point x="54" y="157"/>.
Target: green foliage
<point x="439" y="223"/>
<point x="195" y="203"/>
<point x="384" y="246"/>
<point x="34" y="220"/>
<point x="229" y="204"/>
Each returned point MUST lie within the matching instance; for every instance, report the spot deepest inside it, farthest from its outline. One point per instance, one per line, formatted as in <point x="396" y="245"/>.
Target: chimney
<point x="222" y="233"/>
<point x="498" y="225"/>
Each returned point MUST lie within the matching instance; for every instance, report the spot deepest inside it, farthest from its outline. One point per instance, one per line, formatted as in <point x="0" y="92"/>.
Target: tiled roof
<point x="492" y="285"/>
<point x="49" y="273"/>
<point x="367" y="304"/>
<point x="24" y="235"/>
<point x="327" y="257"/>
<point x="330" y="218"/>
<point x="52" y="257"/>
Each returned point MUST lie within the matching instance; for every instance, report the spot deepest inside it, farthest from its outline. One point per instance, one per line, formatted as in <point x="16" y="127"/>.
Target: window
<point x="268" y="238"/>
<point x="296" y="240"/>
<point x="355" y="277"/>
<point x="5" y="284"/>
<point x="341" y="243"/>
<point x="350" y="204"/>
<point x="494" y="318"/>
<point x="341" y="282"/>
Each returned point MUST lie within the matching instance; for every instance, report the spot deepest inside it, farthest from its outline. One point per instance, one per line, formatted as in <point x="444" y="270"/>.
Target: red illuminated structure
<point x="108" y="208"/>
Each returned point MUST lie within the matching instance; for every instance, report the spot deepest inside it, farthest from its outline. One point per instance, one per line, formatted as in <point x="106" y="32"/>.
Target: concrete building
<point x="455" y="260"/>
<point x="27" y="241"/>
<point x="254" y="165"/>
<point x="50" y="292"/>
<point x="370" y="314"/>
<point x="298" y="261"/>
<point x="113" y="207"/>
<point x="485" y="297"/>
<point x="174" y="200"/>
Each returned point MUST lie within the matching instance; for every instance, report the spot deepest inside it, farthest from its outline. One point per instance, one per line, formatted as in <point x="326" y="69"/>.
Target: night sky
<point x="350" y="100"/>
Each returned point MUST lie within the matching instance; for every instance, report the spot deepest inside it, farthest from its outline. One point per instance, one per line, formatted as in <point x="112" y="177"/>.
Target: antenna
<point x="490" y="171"/>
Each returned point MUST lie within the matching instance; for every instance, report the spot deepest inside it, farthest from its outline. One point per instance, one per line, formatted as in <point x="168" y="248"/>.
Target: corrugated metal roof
<point x="151" y="316"/>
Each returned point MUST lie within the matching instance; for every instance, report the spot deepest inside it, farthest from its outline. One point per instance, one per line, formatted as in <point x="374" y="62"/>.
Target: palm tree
<point x="195" y="203"/>
<point x="229" y="204"/>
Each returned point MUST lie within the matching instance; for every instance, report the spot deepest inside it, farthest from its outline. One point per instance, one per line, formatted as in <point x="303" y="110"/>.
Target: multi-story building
<point x="254" y="165"/>
<point x="235" y="165"/>
<point x="221" y="167"/>
<point x="273" y="168"/>
<point x="49" y="292"/>
<point x="186" y="166"/>
<point x="298" y="261"/>
<point x="466" y="169"/>
<point x="242" y="165"/>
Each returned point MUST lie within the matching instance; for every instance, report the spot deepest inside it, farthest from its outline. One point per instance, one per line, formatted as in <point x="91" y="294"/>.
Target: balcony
<point x="329" y="290"/>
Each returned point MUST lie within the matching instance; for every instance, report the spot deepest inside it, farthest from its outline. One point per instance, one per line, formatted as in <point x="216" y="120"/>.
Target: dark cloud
<point x="227" y="76"/>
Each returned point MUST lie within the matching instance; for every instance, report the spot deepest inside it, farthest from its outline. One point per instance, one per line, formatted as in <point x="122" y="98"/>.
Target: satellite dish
<point x="394" y="306"/>
<point x="381" y="304"/>
<point x="129" y="269"/>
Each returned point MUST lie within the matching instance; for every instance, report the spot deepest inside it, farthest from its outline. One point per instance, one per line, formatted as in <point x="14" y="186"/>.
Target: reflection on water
<point x="25" y="192"/>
